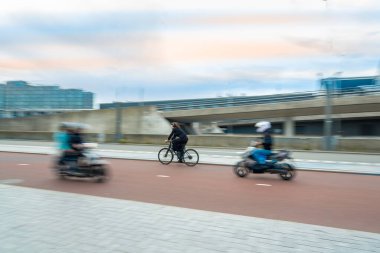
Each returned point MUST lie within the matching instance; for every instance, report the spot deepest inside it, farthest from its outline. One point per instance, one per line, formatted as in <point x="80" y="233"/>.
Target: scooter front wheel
<point x="103" y="174"/>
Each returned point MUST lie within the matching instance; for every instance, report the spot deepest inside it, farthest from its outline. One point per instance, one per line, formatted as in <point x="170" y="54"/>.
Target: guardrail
<point x="220" y="102"/>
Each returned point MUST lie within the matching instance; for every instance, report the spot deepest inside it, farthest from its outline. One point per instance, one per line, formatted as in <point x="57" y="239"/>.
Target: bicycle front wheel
<point x="165" y="156"/>
<point x="191" y="157"/>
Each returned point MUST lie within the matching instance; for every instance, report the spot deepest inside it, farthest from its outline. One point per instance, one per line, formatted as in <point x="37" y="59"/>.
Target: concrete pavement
<point x="42" y="221"/>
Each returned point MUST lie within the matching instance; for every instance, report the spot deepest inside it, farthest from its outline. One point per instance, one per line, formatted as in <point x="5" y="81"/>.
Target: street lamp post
<point x="118" y="121"/>
<point x="328" y="120"/>
<point x="329" y="84"/>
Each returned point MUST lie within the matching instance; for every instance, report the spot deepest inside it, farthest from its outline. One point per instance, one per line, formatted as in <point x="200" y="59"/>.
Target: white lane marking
<point x="162" y="176"/>
<point x="222" y="156"/>
<point x="23" y="164"/>
<point x="11" y="181"/>
<point x="25" y="146"/>
<point x="327" y="162"/>
<point x="264" y="184"/>
<point x="128" y="151"/>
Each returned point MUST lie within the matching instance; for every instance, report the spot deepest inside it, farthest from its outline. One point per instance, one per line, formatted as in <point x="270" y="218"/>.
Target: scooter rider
<point x="76" y="144"/>
<point x="62" y="139"/>
<point x="179" y="140"/>
<point x="261" y="155"/>
<point x="76" y="139"/>
<point x="265" y="128"/>
<point x="257" y="159"/>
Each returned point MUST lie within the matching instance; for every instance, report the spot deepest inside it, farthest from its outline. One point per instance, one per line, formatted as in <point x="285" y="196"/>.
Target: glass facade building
<point x="352" y="84"/>
<point x="19" y="97"/>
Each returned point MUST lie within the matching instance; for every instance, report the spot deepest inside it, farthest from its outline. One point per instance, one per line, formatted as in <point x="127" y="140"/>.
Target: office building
<point x="19" y="98"/>
<point x="352" y="84"/>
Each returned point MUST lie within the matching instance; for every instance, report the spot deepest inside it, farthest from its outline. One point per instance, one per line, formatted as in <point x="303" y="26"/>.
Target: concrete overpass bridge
<point x="297" y="124"/>
<point x="353" y="115"/>
<point x="356" y="114"/>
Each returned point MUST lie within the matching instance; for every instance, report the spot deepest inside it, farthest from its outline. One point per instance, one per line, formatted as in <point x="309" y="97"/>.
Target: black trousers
<point x="179" y="145"/>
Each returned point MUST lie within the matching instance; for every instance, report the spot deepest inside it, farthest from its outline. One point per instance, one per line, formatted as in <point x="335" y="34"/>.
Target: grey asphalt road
<point x="363" y="163"/>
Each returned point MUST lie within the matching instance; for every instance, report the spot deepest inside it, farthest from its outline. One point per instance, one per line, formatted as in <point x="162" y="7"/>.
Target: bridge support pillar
<point x="196" y="127"/>
<point x="289" y="127"/>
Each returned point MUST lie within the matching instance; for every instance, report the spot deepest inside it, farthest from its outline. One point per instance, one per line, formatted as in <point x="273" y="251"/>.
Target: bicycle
<point x="166" y="155"/>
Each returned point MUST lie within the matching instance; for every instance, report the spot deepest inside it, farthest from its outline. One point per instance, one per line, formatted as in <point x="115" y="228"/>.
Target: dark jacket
<point x="75" y="138"/>
<point x="177" y="132"/>
<point x="267" y="141"/>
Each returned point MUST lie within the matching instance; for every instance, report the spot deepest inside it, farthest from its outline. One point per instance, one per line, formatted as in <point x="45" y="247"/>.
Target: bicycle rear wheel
<point x="191" y="157"/>
<point x="165" y="156"/>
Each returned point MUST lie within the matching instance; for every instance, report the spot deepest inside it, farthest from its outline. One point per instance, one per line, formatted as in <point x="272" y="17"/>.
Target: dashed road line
<point x="264" y="185"/>
<point x="162" y="176"/>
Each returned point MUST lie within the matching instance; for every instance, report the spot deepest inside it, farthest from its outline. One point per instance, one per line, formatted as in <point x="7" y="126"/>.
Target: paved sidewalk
<point x="41" y="221"/>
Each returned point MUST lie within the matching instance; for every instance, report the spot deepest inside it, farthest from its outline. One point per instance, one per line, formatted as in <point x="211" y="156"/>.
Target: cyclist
<point x="179" y="140"/>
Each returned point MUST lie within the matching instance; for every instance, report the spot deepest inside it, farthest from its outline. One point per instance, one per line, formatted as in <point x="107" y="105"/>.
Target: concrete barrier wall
<point x="133" y="120"/>
<point x="359" y="144"/>
<point x="233" y="141"/>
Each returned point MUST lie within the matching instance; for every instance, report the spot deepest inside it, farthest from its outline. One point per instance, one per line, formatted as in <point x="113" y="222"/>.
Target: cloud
<point x="184" y="49"/>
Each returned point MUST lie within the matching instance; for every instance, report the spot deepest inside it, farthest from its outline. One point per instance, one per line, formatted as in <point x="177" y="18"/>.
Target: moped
<point x="277" y="163"/>
<point x="89" y="165"/>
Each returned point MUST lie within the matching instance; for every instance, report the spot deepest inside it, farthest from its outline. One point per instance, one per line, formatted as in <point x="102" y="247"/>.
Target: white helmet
<point x="262" y="126"/>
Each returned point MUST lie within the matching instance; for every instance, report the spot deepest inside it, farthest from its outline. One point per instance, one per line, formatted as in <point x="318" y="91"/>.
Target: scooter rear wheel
<point x="59" y="170"/>
<point x="240" y="170"/>
<point x="291" y="172"/>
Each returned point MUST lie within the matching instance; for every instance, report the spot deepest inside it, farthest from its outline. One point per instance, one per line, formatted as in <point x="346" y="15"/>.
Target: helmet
<point x="262" y="126"/>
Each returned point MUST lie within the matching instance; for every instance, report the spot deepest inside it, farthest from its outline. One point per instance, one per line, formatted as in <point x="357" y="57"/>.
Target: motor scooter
<point x="90" y="165"/>
<point x="277" y="163"/>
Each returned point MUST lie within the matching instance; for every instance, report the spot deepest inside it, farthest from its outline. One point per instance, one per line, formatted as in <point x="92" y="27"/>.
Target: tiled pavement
<point x="41" y="221"/>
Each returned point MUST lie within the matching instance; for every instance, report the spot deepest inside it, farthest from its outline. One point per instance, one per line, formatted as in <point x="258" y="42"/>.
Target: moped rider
<point x="256" y="157"/>
<point x="265" y="128"/>
<point x="261" y="154"/>
<point x="62" y="139"/>
<point x="76" y="144"/>
<point x="179" y="140"/>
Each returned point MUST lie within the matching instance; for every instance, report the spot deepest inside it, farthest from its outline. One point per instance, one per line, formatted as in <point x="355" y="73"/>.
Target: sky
<point x="150" y="50"/>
